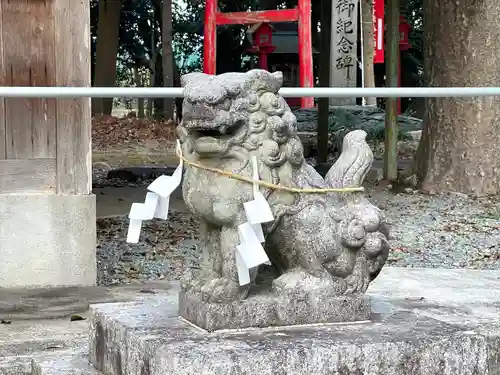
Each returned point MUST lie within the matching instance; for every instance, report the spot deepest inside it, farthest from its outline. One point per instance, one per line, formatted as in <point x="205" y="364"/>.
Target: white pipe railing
<point x="318" y="92"/>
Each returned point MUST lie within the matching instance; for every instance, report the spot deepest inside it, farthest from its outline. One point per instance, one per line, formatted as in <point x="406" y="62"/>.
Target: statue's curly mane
<point x="270" y="127"/>
<point x="271" y="131"/>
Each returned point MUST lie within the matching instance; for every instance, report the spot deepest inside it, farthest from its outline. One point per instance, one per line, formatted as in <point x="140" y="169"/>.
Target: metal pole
<point x="288" y="92"/>
<point x="391" y="129"/>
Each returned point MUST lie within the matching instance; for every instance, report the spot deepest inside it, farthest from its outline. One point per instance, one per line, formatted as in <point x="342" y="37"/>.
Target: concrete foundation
<point x="47" y="240"/>
<point x="424" y="322"/>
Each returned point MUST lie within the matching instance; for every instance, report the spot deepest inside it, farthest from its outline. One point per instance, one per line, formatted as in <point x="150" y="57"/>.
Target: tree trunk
<point x="158" y="103"/>
<point x="140" y="101"/>
<point x="168" y="58"/>
<point x="108" y="26"/>
<point x="152" y="78"/>
<point x="149" y="107"/>
<point x="178" y="101"/>
<point x="368" y="47"/>
<point x="459" y="149"/>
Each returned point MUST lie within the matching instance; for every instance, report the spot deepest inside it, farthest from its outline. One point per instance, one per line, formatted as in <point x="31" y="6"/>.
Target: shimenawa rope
<point x="266" y="184"/>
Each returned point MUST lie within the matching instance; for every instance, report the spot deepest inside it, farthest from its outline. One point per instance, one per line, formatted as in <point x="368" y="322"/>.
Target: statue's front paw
<point x="298" y="282"/>
<point x="353" y="233"/>
<point x="375" y="244"/>
<point x="196" y="280"/>
<point x="223" y="290"/>
<point x="357" y="282"/>
<point x="376" y="250"/>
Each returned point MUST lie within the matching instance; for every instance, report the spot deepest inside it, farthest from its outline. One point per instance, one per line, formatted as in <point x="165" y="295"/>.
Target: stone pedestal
<point x="47" y="240"/>
<point x="269" y="310"/>
<point x="424" y="322"/>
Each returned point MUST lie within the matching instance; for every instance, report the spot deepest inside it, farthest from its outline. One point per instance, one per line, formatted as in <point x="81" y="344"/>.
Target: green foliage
<point x="140" y="32"/>
<point x="140" y="35"/>
<point x="187" y="38"/>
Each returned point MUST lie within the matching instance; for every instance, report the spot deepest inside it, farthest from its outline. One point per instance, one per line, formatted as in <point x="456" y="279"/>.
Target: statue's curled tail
<point x="353" y="164"/>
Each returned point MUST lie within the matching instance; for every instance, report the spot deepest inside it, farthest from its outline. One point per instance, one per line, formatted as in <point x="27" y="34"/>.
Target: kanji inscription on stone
<point x="344" y="47"/>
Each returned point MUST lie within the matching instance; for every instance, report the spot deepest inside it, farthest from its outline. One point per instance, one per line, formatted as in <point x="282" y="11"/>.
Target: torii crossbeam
<point x="301" y="14"/>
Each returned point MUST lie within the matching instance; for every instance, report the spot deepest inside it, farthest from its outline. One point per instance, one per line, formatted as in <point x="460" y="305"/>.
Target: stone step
<point x="71" y="362"/>
<point x="24" y="340"/>
<point x="15" y="365"/>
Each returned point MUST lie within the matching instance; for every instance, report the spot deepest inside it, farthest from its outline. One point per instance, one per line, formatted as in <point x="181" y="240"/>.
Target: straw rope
<point x="266" y="184"/>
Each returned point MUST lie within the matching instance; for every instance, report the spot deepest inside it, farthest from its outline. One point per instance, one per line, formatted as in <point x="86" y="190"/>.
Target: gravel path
<point x="166" y="249"/>
<point x="449" y="231"/>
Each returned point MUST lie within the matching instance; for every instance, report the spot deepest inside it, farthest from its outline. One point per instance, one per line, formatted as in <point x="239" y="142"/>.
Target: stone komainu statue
<point x="337" y="240"/>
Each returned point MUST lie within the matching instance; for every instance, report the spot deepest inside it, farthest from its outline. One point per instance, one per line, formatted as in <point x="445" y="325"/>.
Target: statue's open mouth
<point x="199" y="128"/>
<point x="220" y="132"/>
<point x="214" y="140"/>
<point x="208" y="132"/>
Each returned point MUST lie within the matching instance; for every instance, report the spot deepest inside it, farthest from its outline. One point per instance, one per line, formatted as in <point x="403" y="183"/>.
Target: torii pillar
<point x="47" y="210"/>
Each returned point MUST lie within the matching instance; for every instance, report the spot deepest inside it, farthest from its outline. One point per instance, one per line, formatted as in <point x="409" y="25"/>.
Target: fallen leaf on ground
<point x="76" y="318"/>
<point x="111" y="132"/>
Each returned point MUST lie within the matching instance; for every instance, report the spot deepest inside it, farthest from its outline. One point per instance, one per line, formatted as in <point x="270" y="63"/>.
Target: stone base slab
<point x="70" y="362"/>
<point x="47" y="240"/>
<point x="424" y="322"/>
<point x="269" y="310"/>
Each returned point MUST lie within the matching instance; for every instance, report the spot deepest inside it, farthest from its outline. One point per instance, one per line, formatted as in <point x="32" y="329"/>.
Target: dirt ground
<point x="116" y="201"/>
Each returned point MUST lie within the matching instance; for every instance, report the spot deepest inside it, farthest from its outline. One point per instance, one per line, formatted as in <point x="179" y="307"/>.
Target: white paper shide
<point x="156" y="203"/>
<point x="250" y="253"/>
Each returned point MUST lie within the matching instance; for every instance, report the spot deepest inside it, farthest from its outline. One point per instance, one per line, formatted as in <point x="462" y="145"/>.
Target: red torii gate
<point x="300" y="14"/>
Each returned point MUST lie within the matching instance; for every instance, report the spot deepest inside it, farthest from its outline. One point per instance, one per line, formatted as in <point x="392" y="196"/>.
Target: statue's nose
<point x="191" y="110"/>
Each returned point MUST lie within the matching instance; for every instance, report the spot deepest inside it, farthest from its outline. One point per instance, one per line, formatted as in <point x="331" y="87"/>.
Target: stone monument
<point x="325" y="247"/>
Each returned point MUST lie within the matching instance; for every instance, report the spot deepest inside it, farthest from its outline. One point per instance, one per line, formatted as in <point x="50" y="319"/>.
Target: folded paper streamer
<point x="250" y="253"/>
<point x="156" y="203"/>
